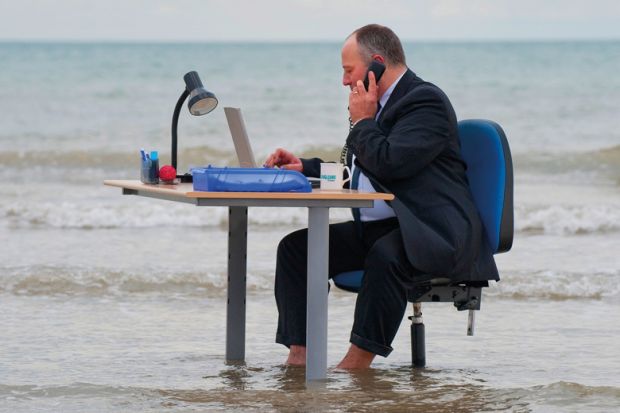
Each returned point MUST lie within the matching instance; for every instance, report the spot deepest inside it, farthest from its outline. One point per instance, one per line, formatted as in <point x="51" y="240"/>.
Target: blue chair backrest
<point x="489" y="170"/>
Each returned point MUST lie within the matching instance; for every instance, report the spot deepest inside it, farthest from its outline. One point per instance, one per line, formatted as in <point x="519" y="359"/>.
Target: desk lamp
<point x="201" y="102"/>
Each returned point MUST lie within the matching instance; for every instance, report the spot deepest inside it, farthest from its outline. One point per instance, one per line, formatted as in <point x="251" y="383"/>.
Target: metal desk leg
<point x="237" y="267"/>
<point x="316" y="324"/>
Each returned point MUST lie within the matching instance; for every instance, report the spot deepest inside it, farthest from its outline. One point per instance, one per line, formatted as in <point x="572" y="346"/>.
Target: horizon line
<point x="307" y="41"/>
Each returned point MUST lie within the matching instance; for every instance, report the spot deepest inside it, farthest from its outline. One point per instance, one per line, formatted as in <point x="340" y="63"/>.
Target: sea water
<point x="118" y="303"/>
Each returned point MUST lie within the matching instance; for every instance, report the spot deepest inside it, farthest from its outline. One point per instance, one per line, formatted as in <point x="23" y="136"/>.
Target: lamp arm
<point x="175" y="122"/>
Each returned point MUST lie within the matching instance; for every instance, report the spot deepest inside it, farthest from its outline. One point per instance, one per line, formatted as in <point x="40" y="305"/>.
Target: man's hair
<point x="377" y="39"/>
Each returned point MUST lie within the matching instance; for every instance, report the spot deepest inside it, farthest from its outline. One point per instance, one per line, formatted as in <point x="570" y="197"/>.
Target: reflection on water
<point x="283" y="388"/>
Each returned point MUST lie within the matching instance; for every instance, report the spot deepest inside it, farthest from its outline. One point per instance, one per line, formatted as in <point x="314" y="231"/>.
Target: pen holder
<point x="149" y="171"/>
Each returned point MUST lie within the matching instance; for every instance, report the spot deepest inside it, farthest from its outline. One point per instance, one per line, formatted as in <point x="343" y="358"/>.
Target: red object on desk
<point x="167" y="173"/>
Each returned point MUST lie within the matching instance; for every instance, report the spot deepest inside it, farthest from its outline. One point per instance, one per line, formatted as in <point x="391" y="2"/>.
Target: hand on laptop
<point x="285" y="160"/>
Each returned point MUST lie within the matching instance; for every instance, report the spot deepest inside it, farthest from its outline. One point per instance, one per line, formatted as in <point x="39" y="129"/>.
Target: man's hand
<point x="362" y="102"/>
<point x="285" y="160"/>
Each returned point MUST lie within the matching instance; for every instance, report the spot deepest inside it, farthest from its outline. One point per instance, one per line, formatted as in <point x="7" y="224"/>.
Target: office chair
<point x="485" y="149"/>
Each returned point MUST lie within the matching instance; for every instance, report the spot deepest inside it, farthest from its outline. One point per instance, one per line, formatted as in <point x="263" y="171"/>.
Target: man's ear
<point x="378" y="58"/>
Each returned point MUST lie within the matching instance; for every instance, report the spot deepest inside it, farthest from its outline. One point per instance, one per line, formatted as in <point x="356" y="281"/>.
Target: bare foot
<point x="296" y="356"/>
<point x="356" y="358"/>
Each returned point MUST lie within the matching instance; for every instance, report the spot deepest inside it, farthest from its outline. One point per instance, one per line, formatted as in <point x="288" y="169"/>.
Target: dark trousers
<point x="382" y="299"/>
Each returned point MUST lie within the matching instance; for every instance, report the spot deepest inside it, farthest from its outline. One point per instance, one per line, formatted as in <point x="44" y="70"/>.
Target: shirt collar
<point x="388" y="92"/>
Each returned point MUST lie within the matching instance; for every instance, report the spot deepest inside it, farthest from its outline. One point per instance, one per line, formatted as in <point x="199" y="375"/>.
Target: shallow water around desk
<point x="150" y="352"/>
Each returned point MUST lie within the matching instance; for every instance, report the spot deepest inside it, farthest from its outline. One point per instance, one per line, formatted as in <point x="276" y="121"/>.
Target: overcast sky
<point x="294" y="20"/>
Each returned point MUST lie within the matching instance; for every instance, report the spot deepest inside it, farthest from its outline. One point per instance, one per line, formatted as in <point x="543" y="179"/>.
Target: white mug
<point x="332" y="175"/>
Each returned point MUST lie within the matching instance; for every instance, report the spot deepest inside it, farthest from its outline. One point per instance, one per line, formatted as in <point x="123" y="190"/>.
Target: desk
<point x="318" y="203"/>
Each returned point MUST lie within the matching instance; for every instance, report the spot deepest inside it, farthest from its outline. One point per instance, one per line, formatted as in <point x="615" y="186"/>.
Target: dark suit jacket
<point x="413" y="151"/>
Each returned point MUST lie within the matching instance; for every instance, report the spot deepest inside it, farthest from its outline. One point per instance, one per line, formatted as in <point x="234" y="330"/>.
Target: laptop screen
<point x="245" y="155"/>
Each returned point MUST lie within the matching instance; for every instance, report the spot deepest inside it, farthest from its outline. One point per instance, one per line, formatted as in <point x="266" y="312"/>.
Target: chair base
<point x="418" y="340"/>
<point x="465" y="296"/>
<point x="418" y="346"/>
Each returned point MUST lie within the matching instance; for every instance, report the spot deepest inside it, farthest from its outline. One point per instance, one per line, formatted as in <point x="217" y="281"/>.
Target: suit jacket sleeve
<point x="420" y="132"/>
<point x="311" y="167"/>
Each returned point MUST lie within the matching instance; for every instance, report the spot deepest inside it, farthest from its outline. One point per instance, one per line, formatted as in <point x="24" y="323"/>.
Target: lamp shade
<point x="201" y="101"/>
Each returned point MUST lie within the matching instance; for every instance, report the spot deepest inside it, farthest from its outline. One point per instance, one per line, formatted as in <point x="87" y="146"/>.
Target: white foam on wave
<point x="547" y="219"/>
<point x="89" y="281"/>
<point x="567" y="220"/>
<point x="105" y="215"/>
<point x="557" y="285"/>
<point x="80" y="280"/>
<point x="85" y="215"/>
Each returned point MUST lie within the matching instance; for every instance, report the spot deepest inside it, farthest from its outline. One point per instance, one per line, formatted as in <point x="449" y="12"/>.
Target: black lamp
<point x="201" y="102"/>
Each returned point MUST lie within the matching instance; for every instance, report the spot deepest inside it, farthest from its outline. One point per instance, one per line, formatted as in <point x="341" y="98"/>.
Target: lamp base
<point x="185" y="178"/>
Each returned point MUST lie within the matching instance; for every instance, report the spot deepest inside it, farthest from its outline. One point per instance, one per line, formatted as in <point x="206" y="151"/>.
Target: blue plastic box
<point x="249" y="180"/>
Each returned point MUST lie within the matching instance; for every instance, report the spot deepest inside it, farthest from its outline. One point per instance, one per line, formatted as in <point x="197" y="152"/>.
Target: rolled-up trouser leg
<point x="382" y="300"/>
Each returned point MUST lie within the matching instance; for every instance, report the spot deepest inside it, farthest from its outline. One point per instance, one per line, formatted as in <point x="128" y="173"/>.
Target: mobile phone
<point x="378" y="68"/>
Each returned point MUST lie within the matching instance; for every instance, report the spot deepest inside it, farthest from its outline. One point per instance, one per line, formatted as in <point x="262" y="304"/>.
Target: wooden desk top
<point x="186" y="191"/>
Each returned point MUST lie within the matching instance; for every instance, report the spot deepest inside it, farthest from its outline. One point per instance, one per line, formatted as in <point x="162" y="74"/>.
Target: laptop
<point x="241" y="140"/>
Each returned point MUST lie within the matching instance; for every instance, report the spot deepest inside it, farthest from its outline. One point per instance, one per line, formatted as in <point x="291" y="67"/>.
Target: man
<point x="407" y="145"/>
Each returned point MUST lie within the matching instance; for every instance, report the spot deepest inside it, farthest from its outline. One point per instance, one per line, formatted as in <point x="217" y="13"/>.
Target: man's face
<point x="353" y="66"/>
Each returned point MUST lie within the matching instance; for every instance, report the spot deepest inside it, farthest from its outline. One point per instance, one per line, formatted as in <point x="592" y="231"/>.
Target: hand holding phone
<point x="359" y="106"/>
<point x="378" y="68"/>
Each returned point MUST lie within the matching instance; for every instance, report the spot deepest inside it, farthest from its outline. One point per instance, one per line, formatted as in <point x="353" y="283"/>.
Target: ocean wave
<point x="121" y="213"/>
<point x="556" y="285"/>
<point x="109" y="215"/>
<point x="609" y="155"/>
<point x="601" y="167"/>
<point x="576" y="167"/>
<point x="28" y="392"/>
<point x="601" y="159"/>
<point x="582" y="397"/>
<point x="200" y="155"/>
<point x="78" y="215"/>
<point x="579" y="389"/>
<point x="97" y="281"/>
<point x="567" y="219"/>
<point x="195" y="155"/>
<point x="79" y="281"/>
